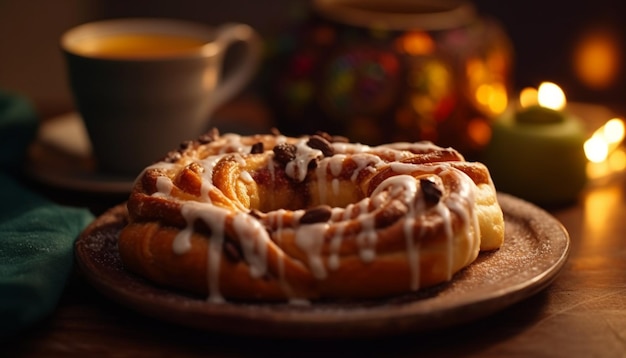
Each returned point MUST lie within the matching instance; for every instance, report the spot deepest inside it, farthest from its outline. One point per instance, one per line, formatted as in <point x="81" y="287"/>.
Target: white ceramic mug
<point x="144" y="85"/>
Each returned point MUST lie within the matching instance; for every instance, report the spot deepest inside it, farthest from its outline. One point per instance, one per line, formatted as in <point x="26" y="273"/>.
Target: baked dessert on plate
<point x="274" y="218"/>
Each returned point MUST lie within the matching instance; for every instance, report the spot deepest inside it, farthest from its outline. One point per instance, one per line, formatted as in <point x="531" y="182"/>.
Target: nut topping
<point x="209" y="136"/>
<point x="317" y="214"/>
<point x="185" y="145"/>
<point x="284" y="153"/>
<point x="431" y="192"/>
<point x="320" y="143"/>
<point x="332" y="138"/>
<point x="257" y="148"/>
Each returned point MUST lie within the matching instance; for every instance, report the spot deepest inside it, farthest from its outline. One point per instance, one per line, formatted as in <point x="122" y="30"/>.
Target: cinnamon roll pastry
<point x="271" y="217"/>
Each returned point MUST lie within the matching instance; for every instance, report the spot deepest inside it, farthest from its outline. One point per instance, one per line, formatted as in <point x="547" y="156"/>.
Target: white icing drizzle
<point x="406" y="187"/>
<point x="254" y="238"/>
<point x="336" y="164"/>
<point x="207" y="177"/>
<point x="231" y="143"/>
<point x="444" y="212"/>
<point x="335" y="246"/>
<point x="182" y="241"/>
<point x="215" y="218"/>
<point x="350" y="148"/>
<point x="365" y="161"/>
<point x="335" y="186"/>
<point x="297" y="168"/>
<point x="338" y="217"/>
<point x="276" y="219"/>
<point x="367" y="238"/>
<point x="246" y="177"/>
<point x="412" y="248"/>
<point x="164" y="186"/>
<point x="309" y="239"/>
<point x="281" y="262"/>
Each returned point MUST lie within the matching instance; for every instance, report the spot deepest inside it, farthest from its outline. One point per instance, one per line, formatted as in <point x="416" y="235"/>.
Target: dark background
<point x="543" y="33"/>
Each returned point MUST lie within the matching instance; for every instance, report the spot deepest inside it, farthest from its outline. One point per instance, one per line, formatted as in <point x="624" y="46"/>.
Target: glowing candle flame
<point x="604" y="140"/>
<point x="551" y="96"/>
<point x="548" y="95"/>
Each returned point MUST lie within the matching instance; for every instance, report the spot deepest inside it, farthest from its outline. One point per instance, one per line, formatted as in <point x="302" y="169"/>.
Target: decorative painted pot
<point x="393" y="70"/>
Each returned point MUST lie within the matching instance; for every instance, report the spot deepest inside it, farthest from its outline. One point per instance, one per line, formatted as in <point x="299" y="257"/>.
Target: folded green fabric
<point x="18" y="126"/>
<point x="36" y="236"/>
<point x="36" y="254"/>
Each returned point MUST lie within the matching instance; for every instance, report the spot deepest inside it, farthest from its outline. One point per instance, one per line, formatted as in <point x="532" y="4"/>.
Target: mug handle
<point x="243" y="71"/>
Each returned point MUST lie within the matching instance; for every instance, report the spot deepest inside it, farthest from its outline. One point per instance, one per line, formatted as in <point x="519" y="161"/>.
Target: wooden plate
<point x="535" y="249"/>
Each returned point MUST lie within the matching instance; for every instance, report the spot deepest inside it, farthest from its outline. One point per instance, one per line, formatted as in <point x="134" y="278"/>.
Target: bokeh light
<point x="528" y="97"/>
<point x="550" y="95"/>
<point x="604" y="140"/>
<point x="597" y="58"/>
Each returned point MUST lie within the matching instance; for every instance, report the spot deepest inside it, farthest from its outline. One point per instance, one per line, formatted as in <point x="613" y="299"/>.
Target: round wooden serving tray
<point x="535" y="249"/>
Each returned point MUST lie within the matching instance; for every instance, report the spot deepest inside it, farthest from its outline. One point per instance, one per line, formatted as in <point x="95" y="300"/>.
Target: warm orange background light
<point x="597" y="59"/>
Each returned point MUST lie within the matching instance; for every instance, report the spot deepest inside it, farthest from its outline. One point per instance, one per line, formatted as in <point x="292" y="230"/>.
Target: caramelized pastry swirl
<point x="270" y="217"/>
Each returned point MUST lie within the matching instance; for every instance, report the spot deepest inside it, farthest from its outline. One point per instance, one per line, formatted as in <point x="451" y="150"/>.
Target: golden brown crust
<point x="311" y="219"/>
<point x="146" y="248"/>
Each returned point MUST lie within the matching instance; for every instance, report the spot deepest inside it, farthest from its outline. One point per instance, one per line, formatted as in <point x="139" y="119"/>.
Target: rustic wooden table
<point x="582" y="313"/>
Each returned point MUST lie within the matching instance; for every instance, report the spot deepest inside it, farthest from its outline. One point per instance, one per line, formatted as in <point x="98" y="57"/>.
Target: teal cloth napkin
<point x="36" y="235"/>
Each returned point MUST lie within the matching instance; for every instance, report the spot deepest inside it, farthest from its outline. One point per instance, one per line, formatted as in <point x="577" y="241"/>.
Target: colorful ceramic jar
<point x="384" y="71"/>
